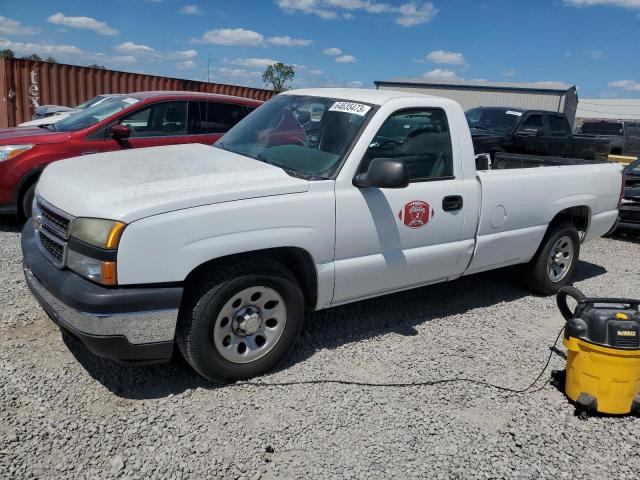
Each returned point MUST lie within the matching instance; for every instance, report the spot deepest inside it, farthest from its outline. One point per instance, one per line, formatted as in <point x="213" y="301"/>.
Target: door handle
<point x="452" y="203"/>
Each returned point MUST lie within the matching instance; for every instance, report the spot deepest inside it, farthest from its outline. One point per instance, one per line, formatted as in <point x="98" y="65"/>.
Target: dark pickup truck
<point x="629" y="219"/>
<point x="623" y="137"/>
<point x="530" y="132"/>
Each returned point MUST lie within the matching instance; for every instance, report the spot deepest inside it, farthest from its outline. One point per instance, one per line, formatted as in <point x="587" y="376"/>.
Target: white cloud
<point x="446" y="58"/>
<point x="595" y="54"/>
<point x="248" y="38"/>
<point x="130" y="47"/>
<point x="346" y="59"/>
<point x="629" y="85"/>
<point x="415" y="13"/>
<point x="237" y="76"/>
<point x="332" y="52"/>
<point x="232" y="37"/>
<point x="191" y="10"/>
<point x="316" y="72"/>
<point x="510" y="73"/>
<point x="407" y="14"/>
<point x="441" y="74"/>
<point x="183" y="54"/>
<point x="186" y="64"/>
<point x="633" y="4"/>
<point x="355" y="84"/>
<point x="253" y="62"/>
<point x="287" y="41"/>
<point x="9" y="26"/>
<point x="63" y="52"/>
<point x="84" y="23"/>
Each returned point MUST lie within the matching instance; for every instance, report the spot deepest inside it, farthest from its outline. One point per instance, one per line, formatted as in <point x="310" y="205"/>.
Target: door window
<point x="420" y="138"/>
<point x="213" y="117"/>
<point x="158" y="120"/>
<point x="557" y="126"/>
<point x="533" y="122"/>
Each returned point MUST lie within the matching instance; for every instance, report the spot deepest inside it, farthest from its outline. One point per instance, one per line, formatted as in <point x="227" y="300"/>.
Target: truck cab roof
<point x="365" y="95"/>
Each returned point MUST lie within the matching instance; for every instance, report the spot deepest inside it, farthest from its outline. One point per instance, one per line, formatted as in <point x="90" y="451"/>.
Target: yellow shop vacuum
<point x="602" y="337"/>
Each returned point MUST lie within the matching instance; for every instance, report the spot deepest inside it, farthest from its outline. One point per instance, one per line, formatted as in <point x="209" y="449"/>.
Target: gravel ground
<point x="67" y="414"/>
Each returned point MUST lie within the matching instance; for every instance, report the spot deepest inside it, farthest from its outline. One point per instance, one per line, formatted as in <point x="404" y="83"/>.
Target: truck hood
<point x="37" y="135"/>
<point x="133" y="184"/>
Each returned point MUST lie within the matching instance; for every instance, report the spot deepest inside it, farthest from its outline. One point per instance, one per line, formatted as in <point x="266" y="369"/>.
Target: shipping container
<point x="26" y="84"/>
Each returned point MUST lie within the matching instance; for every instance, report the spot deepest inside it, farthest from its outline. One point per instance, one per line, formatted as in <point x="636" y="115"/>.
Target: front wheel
<point x="241" y="322"/>
<point x="26" y="206"/>
<point x="555" y="261"/>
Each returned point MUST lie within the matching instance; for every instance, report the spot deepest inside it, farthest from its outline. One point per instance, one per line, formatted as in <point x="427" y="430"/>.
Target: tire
<point x="232" y="308"/>
<point x="27" y="202"/>
<point x="539" y="274"/>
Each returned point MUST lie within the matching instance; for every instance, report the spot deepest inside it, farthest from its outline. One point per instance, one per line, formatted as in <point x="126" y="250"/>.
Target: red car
<point x="145" y="119"/>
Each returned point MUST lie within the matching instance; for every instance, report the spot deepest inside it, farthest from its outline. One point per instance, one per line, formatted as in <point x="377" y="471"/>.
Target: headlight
<point x="98" y="232"/>
<point x="96" y="270"/>
<point x="94" y="255"/>
<point x="7" y="152"/>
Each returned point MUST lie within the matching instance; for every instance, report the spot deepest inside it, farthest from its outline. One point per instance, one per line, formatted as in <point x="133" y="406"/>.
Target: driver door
<point x="163" y="123"/>
<point x="394" y="239"/>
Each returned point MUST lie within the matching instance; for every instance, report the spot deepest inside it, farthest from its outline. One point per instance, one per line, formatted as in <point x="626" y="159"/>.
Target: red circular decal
<point x="416" y="214"/>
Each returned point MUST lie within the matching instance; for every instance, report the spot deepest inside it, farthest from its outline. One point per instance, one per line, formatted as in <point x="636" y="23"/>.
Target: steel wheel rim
<point x="560" y="259"/>
<point x="250" y="324"/>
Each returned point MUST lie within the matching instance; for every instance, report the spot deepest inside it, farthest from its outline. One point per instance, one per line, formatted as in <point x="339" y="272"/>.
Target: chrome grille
<point x="52" y="229"/>
<point x="52" y="247"/>
<point x="54" y="219"/>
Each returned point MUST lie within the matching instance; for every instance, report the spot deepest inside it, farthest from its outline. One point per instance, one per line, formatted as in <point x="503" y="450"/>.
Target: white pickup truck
<point x="319" y="198"/>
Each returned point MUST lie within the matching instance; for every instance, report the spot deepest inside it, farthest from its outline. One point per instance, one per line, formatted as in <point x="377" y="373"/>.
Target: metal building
<point x="558" y="97"/>
<point x="608" y="109"/>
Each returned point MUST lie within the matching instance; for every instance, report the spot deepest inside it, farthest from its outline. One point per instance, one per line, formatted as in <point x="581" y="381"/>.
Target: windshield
<point x="494" y="119"/>
<point x="306" y="136"/>
<point x="601" y="128"/>
<point x="633" y="168"/>
<point x="92" y="115"/>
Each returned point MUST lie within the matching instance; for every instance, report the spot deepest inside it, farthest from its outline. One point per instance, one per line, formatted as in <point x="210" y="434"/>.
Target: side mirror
<point x="120" y="132"/>
<point x="384" y="173"/>
<point x="529" y="132"/>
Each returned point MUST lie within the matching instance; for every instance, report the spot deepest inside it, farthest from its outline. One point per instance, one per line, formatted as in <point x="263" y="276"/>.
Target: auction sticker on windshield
<point x="349" y="107"/>
<point x="130" y="100"/>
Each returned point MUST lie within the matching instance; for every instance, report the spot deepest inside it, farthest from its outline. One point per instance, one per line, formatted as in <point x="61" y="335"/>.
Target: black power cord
<point x="426" y="383"/>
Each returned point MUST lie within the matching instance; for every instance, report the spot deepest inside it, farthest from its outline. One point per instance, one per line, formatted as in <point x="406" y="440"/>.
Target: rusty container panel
<point x="25" y="84"/>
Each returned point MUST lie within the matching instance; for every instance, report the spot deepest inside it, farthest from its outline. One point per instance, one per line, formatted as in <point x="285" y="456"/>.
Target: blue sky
<point x="590" y="43"/>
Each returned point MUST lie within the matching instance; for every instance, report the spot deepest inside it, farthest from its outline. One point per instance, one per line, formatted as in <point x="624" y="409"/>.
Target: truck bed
<point x="511" y="160"/>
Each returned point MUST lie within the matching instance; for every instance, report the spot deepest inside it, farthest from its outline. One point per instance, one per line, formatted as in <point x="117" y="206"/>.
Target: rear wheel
<point x="555" y="261"/>
<point x="242" y="321"/>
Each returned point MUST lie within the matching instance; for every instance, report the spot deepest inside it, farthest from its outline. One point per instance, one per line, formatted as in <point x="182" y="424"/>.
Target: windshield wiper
<point x="480" y="127"/>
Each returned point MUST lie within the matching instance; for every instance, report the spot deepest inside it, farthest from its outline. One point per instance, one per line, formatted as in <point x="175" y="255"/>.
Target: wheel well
<point x="28" y="180"/>
<point x="297" y="260"/>
<point x="616" y="151"/>
<point x="578" y="216"/>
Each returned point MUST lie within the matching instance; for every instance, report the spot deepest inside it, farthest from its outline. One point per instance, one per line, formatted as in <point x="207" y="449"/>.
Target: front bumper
<point x="124" y="324"/>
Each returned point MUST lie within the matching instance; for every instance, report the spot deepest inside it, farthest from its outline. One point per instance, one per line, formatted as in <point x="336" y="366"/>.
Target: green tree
<point x="50" y="59"/>
<point x="278" y="75"/>
<point x="33" y="56"/>
<point x="95" y="65"/>
<point x="7" y="53"/>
